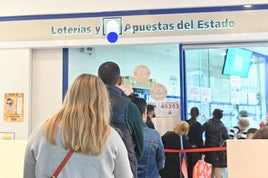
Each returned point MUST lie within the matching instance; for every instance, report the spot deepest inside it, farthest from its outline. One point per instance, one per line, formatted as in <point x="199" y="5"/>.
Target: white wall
<point x="38" y="75"/>
<point x="46" y="84"/>
<point x="15" y="77"/>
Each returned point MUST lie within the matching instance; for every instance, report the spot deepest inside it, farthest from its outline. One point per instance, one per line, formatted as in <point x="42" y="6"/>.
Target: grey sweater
<point x="42" y="159"/>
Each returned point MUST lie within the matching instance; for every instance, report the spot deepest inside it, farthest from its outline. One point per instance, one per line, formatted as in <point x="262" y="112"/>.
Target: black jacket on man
<point x="216" y="135"/>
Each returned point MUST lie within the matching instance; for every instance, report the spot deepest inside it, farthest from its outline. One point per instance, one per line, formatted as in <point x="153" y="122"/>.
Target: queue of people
<point x="191" y="133"/>
<point x="153" y="158"/>
<point x="216" y="135"/>
<point x="125" y="115"/>
<point x="99" y="131"/>
<point x="81" y="125"/>
<point x="102" y="132"/>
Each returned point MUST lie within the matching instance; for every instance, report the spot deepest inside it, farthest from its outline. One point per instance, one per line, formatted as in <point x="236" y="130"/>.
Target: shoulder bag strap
<point x="69" y="154"/>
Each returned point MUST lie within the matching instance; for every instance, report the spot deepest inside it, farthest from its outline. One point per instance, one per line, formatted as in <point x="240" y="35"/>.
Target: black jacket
<point x="171" y="140"/>
<point x="119" y="120"/>
<point x="216" y="135"/>
<point x="195" y="133"/>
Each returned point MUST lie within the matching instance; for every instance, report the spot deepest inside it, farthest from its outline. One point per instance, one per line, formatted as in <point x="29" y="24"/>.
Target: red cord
<point x="69" y="154"/>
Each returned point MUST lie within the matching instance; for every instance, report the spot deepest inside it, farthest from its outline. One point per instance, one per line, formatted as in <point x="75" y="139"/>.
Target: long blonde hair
<point x="84" y="116"/>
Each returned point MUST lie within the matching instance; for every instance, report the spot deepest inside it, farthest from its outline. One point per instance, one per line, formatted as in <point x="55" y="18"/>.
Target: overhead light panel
<point x="247" y="5"/>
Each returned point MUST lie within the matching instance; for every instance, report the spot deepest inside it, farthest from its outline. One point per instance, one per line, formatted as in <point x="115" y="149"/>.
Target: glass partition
<point x="151" y="70"/>
<point x="231" y="79"/>
<point x="215" y="78"/>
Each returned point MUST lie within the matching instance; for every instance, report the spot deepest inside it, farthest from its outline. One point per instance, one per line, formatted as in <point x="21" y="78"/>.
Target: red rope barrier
<point x="195" y="150"/>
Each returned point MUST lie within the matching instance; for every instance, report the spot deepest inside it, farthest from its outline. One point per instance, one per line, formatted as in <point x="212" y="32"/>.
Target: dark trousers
<point x="192" y="158"/>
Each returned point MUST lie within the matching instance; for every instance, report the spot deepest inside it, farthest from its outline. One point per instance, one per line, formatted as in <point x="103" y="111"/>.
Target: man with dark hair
<point x="216" y="135"/>
<point x="243" y="113"/>
<point x="150" y="116"/>
<point x="109" y="73"/>
<point x="154" y="156"/>
<point x="125" y="115"/>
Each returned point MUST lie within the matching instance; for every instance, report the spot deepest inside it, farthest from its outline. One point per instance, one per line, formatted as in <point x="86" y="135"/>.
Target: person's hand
<point x="127" y="89"/>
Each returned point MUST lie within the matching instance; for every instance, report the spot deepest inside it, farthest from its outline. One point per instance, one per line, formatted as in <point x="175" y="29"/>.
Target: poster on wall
<point x="235" y="99"/>
<point x="14" y="107"/>
<point x="167" y="109"/>
<point x="158" y="92"/>
<point x="167" y="114"/>
<point x="142" y="73"/>
<point x="235" y="82"/>
<point x="194" y="93"/>
<point x="205" y="95"/>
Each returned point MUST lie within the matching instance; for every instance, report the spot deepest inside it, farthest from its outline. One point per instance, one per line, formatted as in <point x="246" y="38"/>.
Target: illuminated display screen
<point x="237" y="62"/>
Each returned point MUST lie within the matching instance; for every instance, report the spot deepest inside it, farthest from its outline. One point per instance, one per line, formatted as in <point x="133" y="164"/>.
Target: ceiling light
<point x="247" y="5"/>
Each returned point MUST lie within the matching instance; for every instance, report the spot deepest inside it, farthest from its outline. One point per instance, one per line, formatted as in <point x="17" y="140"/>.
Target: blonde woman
<point x="82" y="124"/>
<point x="171" y="140"/>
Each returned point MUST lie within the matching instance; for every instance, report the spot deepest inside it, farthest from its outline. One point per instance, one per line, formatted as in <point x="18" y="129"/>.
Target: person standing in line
<point x="154" y="156"/>
<point x="125" y="115"/>
<point x="195" y="139"/>
<point x="216" y="135"/>
<point x="150" y="116"/>
<point x="172" y="140"/>
<point x="240" y="131"/>
<point x="81" y="125"/>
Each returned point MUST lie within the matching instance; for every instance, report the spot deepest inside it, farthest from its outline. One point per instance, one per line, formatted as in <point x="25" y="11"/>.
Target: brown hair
<point x="217" y="113"/>
<point x="262" y="133"/>
<point x="194" y="114"/>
